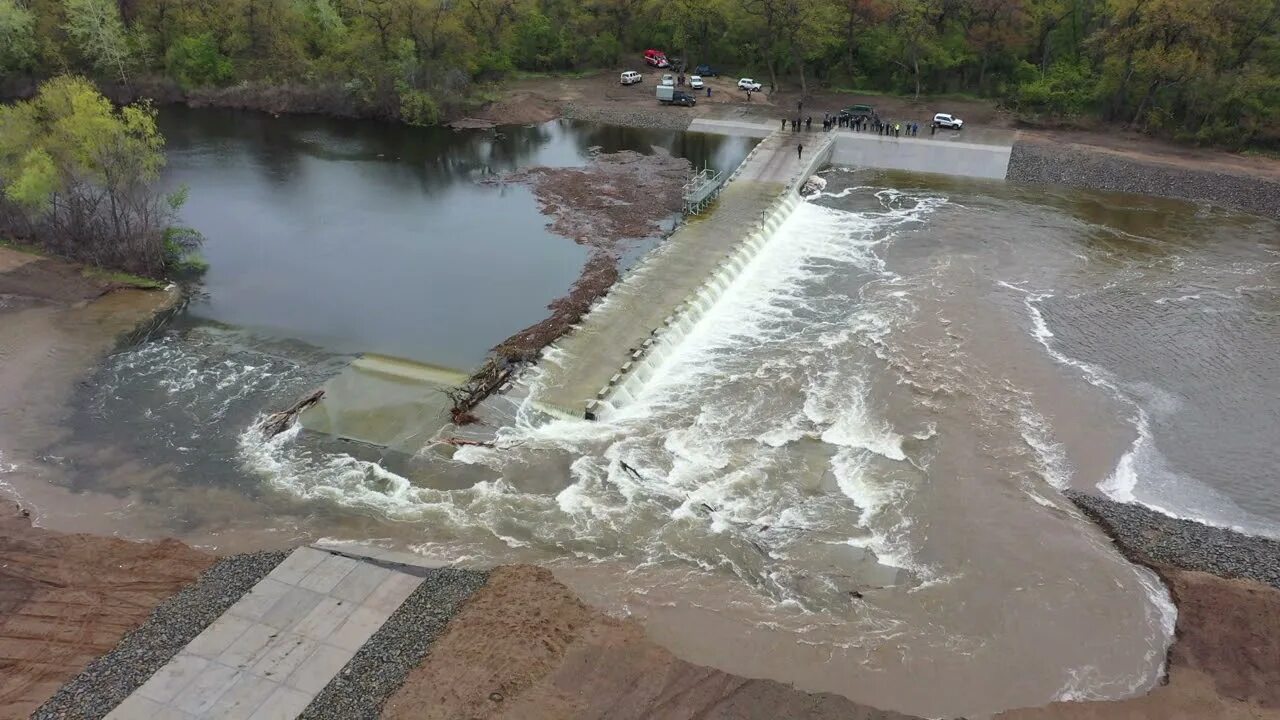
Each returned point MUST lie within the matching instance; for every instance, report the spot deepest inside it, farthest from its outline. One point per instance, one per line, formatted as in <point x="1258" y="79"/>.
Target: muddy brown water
<point x="847" y="477"/>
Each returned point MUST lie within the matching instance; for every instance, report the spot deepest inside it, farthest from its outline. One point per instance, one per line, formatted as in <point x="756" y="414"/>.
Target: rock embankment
<point x="1151" y="538"/>
<point x="1097" y="169"/>
<point x="658" y="117"/>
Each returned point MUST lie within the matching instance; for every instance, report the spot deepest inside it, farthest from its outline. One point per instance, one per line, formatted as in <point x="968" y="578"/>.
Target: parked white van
<point x="631" y="77"/>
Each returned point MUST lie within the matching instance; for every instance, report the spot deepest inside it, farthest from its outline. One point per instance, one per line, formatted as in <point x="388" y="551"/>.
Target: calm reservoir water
<point x="356" y="236"/>
<point x="848" y="477"/>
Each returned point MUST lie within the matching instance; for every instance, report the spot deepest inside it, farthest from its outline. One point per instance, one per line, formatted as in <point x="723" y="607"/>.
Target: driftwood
<point x="460" y="442"/>
<point x="278" y="422"/>
<point x="493" y="374"/>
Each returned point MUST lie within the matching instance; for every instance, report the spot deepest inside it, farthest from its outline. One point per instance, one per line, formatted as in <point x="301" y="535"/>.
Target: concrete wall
<point x="943" y="157"/>
<point x="739" y="128"/>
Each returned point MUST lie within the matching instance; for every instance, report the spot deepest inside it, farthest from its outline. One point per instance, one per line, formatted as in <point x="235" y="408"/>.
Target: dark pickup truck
<point x="858" y="111"/>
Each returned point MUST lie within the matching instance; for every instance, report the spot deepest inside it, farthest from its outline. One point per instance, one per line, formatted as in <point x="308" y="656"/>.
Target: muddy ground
<point x="615" y="200"/>
<point x="67" y="599"/>
<point x="525" y="647"/>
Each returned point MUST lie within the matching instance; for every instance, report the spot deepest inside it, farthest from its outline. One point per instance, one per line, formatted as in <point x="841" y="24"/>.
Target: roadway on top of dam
<point x="580" y="364"/>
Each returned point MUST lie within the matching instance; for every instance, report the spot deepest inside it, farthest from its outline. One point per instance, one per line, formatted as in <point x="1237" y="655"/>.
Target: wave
<point x="1141" y="475"/>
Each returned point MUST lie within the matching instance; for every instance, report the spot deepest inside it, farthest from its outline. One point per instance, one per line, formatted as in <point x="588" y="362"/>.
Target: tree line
<point x="1199" y="70"/>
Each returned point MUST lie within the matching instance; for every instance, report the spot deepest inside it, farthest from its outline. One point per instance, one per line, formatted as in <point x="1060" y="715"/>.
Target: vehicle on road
<point x="749" y="85"/>
<point x="656" y="58"/>
<point x="947" y="120"/>
<point x="706" y="71"/>
<point x="668" y="95"/>
<point x="858" y="111"/>
<point x="695" y="82"/>
<point x="669" y="80"/>
<point x="677" y="64"/>
<point x="631" y="77"/>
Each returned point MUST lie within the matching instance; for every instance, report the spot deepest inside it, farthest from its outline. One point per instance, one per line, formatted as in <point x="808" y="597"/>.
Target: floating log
<point x="278" y="422"/>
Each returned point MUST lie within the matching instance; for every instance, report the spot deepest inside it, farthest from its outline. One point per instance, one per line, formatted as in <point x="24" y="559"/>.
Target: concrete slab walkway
<point x="273" y="651"/>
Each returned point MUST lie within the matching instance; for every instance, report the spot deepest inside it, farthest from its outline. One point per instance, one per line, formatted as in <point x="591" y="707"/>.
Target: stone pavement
<point x="269" y="655"/>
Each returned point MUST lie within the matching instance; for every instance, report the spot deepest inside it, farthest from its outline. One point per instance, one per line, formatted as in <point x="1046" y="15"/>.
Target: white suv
<point x="631" y="77"/>
<point x="749" y="85"/>
<point x="946" y="120"/>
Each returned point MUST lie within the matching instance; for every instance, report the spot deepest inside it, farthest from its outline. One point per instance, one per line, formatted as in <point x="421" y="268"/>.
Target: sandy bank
<point x="68" y="599"/>
<point x="525" y="647"/>
<point x="56" y="322"/>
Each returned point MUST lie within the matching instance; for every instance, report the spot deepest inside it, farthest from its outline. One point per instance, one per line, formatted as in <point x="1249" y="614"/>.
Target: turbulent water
<point x="847" y="477"/>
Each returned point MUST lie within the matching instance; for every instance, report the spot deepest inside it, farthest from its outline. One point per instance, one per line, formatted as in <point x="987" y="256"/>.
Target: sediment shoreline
<point x="518" y="635"/>
<point x="1041" y="163"/>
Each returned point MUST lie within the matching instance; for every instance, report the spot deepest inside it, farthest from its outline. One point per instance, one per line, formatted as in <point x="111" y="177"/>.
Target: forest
<point x="1193" y="70"/>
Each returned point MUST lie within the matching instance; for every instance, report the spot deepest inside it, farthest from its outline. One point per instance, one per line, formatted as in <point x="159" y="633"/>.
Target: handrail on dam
<point x="604" y="362"/>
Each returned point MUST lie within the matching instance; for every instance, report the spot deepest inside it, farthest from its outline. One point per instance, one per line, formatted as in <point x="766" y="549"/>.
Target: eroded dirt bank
<point x="525" y="647"/>
<point x="68" y="599"/>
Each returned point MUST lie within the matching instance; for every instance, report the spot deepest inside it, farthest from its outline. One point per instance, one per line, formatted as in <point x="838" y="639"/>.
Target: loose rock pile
<point x="1042" y="164"/>
<point x="1146" y="535"/>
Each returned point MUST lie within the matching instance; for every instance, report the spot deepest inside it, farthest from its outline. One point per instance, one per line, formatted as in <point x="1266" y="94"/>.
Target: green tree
<point x="79" y="176"/>
<point x="196" y="60"/>
<point x="99" y="35"/>
<point x="17" y="39"/>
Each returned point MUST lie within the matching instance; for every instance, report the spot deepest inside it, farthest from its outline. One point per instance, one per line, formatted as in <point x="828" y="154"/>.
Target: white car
<point x="631" y="77"/>
<point x="749" y="85"/>
<point x="669" y="79"/>
<point x="947" y="120"/>
<point x="695" y="82"/>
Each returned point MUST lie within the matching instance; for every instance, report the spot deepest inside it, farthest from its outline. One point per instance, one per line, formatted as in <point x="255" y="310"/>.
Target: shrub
<point x="417" y="107"/>
<point x="196" y="61"/>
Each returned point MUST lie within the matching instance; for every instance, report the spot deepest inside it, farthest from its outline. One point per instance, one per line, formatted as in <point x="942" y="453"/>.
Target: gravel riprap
<point x="378" y="669"/>
<point x="174" y="623"/>
<point x="659" y="117"/>
<point x="1147" y="536"/>
<point x="1043" y="164"/>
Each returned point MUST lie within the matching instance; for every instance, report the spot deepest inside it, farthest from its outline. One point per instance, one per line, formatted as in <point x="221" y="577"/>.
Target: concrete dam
<point x="606" y="360"/>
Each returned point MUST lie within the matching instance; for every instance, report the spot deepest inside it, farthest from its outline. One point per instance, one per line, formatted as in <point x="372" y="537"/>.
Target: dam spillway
<point x="603" y="363"/>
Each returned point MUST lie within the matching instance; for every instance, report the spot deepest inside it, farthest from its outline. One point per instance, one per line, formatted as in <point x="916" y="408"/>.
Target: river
<point x="847" y="477"/>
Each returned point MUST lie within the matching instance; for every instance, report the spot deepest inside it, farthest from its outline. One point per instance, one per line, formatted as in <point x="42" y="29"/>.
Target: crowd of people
<point x="857" y="123"/>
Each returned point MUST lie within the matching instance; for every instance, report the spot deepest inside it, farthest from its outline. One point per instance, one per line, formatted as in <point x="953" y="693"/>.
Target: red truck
<point x="656" y="58"/>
